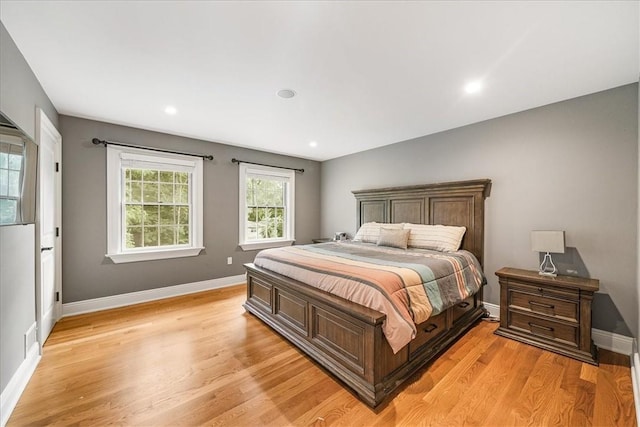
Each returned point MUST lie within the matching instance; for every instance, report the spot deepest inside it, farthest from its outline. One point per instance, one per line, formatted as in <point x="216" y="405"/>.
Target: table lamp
<point x="548" y="242"/>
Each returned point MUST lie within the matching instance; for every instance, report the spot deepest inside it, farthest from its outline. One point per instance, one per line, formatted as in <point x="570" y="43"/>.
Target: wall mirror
<point x="18" y="174"/>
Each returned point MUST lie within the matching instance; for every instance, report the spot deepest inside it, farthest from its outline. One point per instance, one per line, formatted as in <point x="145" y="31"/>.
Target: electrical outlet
<point x="229" y="260"/>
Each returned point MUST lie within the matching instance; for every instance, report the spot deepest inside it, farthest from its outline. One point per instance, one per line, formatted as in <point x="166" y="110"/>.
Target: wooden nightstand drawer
<point x="546" y="329"/>
<point x="547" y="305"/>
<point x="546" y="291"/>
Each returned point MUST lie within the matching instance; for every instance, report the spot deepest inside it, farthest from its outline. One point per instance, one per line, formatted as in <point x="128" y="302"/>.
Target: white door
<point x="49" y="292"/>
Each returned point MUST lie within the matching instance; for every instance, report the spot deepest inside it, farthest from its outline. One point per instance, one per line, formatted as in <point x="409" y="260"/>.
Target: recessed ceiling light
<point x="313" y="144"/>
<point x="473" y="87"/>
<point x="171" y="110"/>
<point x="286" y="93"/>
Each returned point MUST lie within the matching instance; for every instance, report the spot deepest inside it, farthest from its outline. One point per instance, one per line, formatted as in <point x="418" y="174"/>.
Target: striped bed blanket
<point x="408" y="286"/>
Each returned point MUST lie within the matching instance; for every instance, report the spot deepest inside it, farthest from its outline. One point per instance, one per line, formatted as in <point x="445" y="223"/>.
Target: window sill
<point x="154" y="255"/>
<point x="266" y="245"/>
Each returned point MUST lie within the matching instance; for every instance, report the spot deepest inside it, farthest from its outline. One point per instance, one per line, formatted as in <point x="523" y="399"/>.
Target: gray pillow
<point x="393" y="237"/>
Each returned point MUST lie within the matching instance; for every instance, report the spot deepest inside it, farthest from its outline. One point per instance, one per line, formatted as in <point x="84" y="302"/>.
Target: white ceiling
<point x="366" y="74"/>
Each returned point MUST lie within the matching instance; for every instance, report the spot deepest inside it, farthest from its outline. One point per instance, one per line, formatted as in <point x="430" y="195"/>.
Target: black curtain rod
<point x="97" y="141"/>
<point x="262" y="164"/>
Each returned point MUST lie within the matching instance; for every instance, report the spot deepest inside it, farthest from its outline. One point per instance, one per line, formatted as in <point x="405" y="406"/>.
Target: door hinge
<point x="57" y="231"/>
<point x="57" y="296"/>
<point x="57" y="167"/>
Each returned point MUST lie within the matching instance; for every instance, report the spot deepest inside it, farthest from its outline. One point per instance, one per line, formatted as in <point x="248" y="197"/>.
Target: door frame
<point x="44" y="125"/>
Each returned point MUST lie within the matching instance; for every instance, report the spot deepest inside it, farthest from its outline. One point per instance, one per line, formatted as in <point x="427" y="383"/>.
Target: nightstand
<point x="322" y="240"/>
<point x="553" y="313"/>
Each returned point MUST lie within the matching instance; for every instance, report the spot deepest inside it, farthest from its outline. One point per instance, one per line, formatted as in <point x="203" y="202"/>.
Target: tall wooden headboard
<point x="447" y="203"/>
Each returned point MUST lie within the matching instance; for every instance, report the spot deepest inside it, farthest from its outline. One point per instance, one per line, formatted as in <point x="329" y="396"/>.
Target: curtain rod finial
<point x="96" y="141"/>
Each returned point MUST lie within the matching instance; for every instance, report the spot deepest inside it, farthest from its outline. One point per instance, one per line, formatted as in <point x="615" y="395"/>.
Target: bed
<point x="348" y="339"/>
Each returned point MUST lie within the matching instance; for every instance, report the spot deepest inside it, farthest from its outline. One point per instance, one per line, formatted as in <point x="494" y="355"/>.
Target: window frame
<point x="247" y="170"/>
<point x="14" y="141"/>
<point x="116" y="250"/>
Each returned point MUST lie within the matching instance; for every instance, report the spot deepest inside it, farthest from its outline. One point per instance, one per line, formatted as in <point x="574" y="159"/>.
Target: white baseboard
<point x="18" y="382"/>
<point x="635" y="379"/>
<point x="603" y="339"/>
<point x="97" y="304"/>
<point x="612" y="341"/>
<point x="493" y="309"/>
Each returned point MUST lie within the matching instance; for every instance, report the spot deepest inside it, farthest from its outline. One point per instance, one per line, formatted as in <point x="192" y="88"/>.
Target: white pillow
<point x="444" y="238"/>
<point x="369" y="232"/>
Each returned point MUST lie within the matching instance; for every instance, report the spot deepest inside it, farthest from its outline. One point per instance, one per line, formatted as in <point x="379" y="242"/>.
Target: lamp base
<point x="548" y="268"/>
<point x="547" y="274"/>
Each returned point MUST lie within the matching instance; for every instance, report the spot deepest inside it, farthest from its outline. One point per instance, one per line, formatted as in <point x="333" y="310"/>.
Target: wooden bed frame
<point x="346" y="338"/>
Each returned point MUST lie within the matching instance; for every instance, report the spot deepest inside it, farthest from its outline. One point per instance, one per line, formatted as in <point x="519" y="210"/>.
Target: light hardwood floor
<point x="200" y="359"/>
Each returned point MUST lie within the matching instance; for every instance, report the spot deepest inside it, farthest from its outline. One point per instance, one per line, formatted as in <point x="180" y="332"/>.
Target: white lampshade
<point x="547" y="241"/>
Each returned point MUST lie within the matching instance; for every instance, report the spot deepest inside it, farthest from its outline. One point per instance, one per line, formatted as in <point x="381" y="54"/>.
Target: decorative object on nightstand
<point x="553" y="313"/>
<point x="547" y="241"/>
<point x="340" y="236"/>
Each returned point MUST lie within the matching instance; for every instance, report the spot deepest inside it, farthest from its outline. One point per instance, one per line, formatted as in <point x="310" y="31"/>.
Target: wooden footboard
<point x="346" y="338"/>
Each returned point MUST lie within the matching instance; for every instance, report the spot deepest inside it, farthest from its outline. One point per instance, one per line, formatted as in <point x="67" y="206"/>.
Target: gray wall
<point x="20" y="94"/>
<point x="21" y="90"/>
<point x="17" y="293"/>
<point x="568" y="166"/>
<point x="88" y="274"/>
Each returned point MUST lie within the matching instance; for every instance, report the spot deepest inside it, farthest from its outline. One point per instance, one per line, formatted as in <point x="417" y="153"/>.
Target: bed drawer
<point x="463" y="307"/>
<point x="428" y="330"/>
<point x="548" y="330"/>
<point x="548" y="304"/>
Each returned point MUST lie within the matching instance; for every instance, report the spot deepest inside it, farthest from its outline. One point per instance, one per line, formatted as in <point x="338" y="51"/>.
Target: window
<point x="266" y="207"/>
<point x="154" y="204"/>
<point x="10" y="174"/>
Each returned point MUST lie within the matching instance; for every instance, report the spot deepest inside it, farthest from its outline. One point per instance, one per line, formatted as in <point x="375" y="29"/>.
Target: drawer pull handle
<point x="463" y="304"/>
<point x="431" y="327"/>
<point x="541" y="304"/>
<point x="546" y="328"/>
